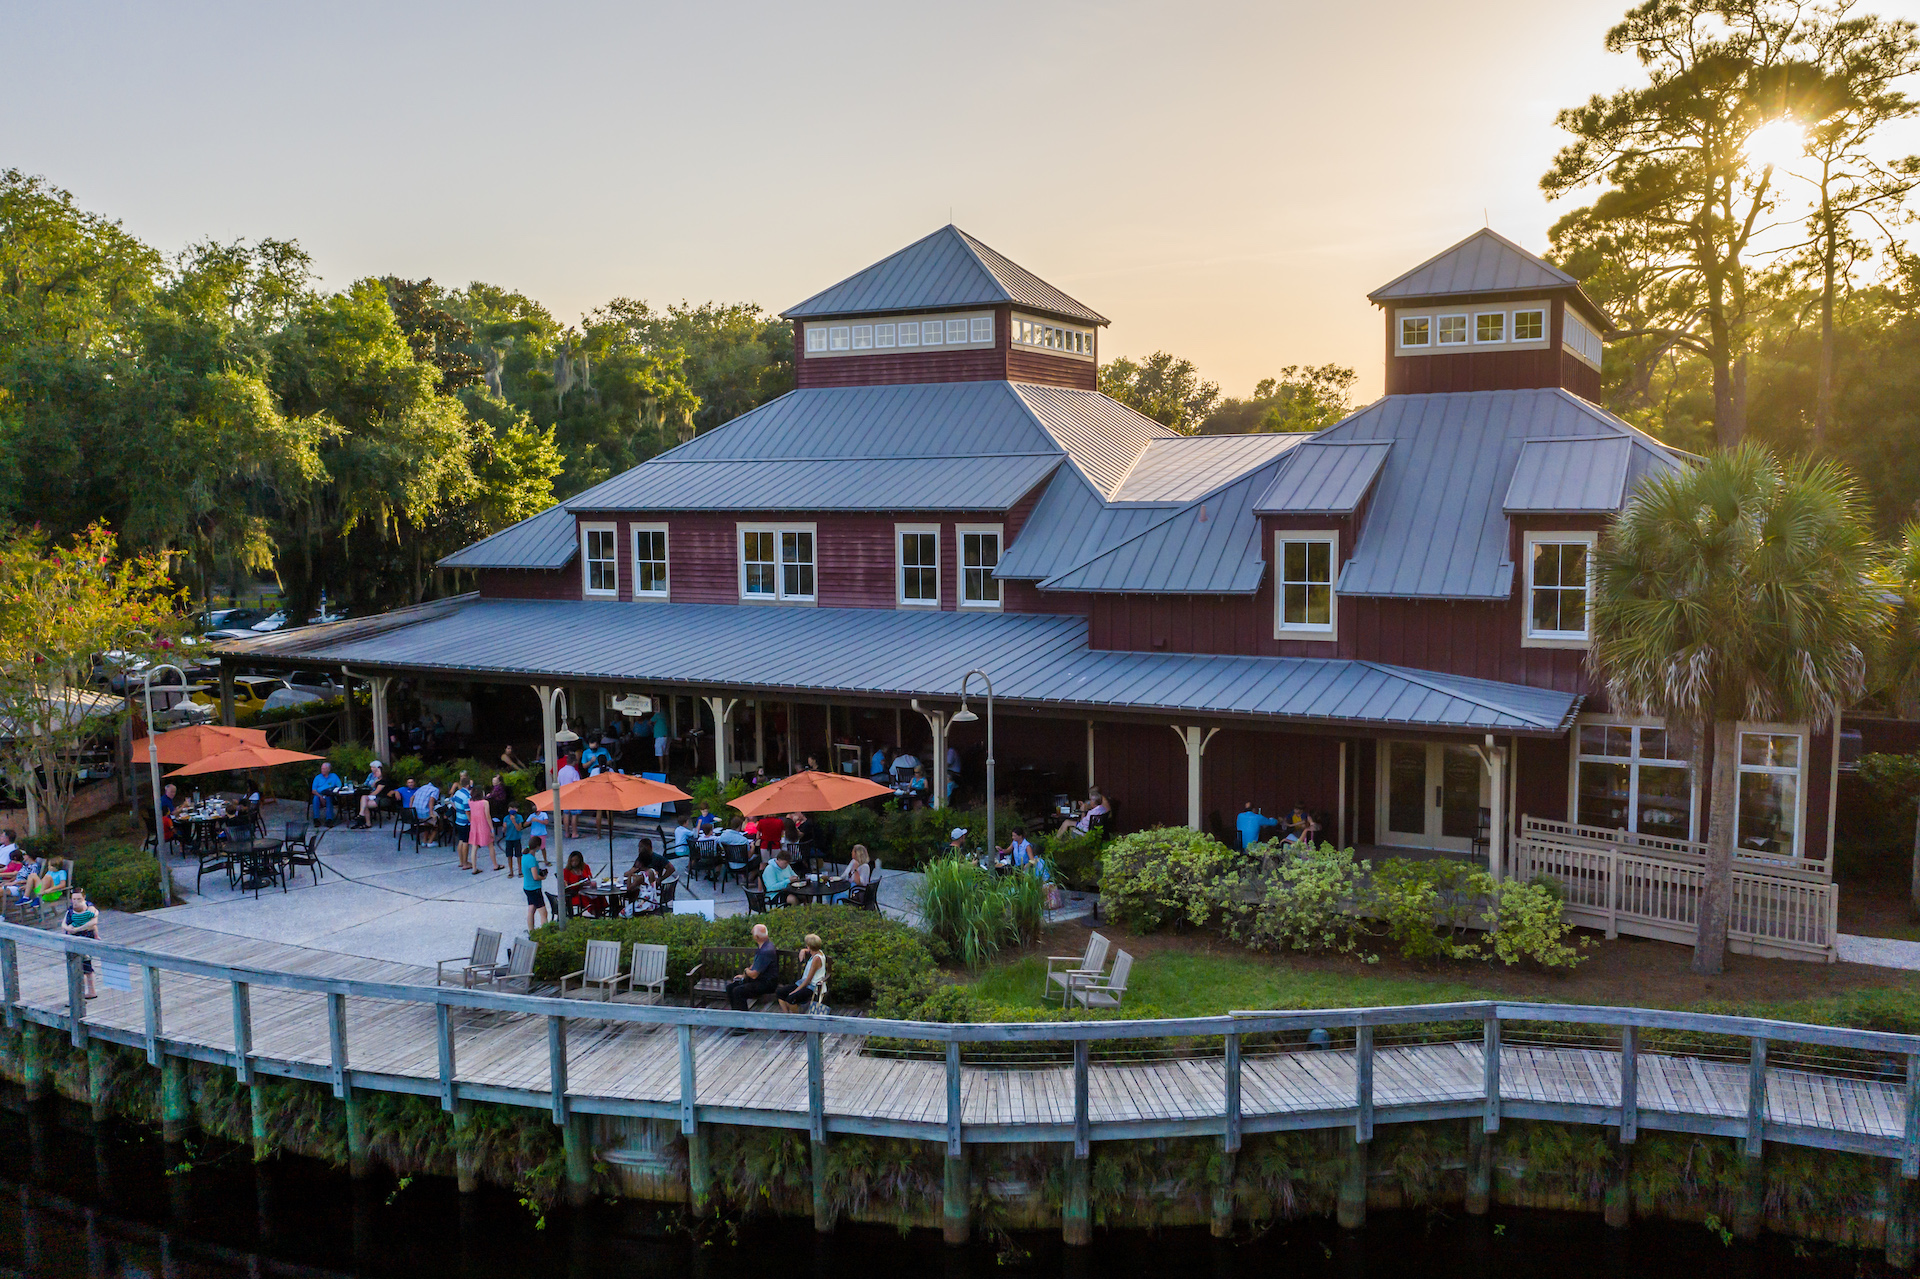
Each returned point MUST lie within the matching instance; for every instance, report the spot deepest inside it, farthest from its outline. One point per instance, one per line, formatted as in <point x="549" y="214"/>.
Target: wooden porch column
<point x="1195" y="739"/>
<point x="377" y="686"/>
<point x="226" y="695"/>
<point x="722" y="709"/>
<point x="346" y="708"/>
<point x="1496" y="760"/>
<point x="937" y="721"/>
<point x="1090" y="782"/>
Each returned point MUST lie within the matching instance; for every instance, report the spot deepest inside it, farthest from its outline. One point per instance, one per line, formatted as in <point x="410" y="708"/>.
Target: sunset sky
<point x="1225" y="181"/>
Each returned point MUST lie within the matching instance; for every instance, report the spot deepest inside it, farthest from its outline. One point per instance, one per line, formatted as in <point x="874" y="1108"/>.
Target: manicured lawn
<point x="1202" y="985"/>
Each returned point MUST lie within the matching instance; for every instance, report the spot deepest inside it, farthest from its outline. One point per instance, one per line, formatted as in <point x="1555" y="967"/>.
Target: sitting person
<point x="859" y="870"/>
<point x="736" y="845"/>
<point x="510" y="760"/>
<point x="403" y="793"/>
<point x="684" y="838"/>
<point x="373" y="790"/>
<point x="917" y="790"/>
<point x="1301" y="824"/>
<point x="643" y="881"/>
<point x="1251" y="824"/>
<point x="1091" y="813"/>
<point x="880" y="771"/>
<point x="325" y="783"/>
<point x="706" y="821"/>
<point x="813" y="976"/>
<point x="776" y="877"/>
<point x="572" y="875"/>
<point x="9" y="851"/>
<point x="20" y="873"/>
<point x="759" y="977"/>
<point x="810" y="838"/>
<point x="1019" y="851"/>
<point x="50" y="884"/>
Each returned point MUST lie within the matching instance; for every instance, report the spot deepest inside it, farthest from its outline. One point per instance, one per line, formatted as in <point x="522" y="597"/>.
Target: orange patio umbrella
<point x="808" y="793"/>
<point x="607" y="792"/>
<point x="190" y="745"/>
<point x="241" y="758"/>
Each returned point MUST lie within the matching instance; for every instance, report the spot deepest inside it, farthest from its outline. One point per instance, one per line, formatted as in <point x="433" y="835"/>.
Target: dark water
<point x="75" y="1202"/>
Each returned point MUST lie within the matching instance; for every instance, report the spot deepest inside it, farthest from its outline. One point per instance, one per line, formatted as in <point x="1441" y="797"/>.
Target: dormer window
<point x="930" y="333"/>
<point x="816" y="339"/>
<point x="1303" y="583"/>
<point x="1490" y="326"/>
<point x="1453" y="330"/>
<point x="910" y="333"/>
<point x="600" y="560"/>
<point x="1559" y="581"/>
<point x="883" y="335"/>
<point x="1416" y="330"/>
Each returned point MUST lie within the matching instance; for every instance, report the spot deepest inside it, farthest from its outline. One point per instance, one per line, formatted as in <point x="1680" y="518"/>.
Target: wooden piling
<point x="1076" y="1208"/>
<point x="1479" y="1167"/>
<point x="36" y="1061"/>
<point x="954" y="1209"/>
<point x="577" y="1138"/>
<point x="99" y="1074"/>
<point x="1750" y="1200"/>
<point x="822" y="1201"/>
<point x="1903" y="1219"/>
<point x="1616" y="1201"/>
<point x="1221" y="1221"/>
<point x="699" y="1175"/>
<point x="257" y="1116"/>
<point x="1352" y="1208"/>
<point x="466" y="1155"/>
<point x="359" y="1158"/>
<point x="176" y="1110"/>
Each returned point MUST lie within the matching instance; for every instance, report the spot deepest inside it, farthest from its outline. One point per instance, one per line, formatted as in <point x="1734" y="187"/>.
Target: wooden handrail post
<point x="1756" y="1097"/>
<point x="687" y="1123"/>
<point x="1082" y="1116"/>
<point x="1231" y="1142"/>
<point x="1629" y="1084"/>
<point x="443" y="1033"/>
<point x="557" y="1066"/>
<point x="1910" y="1149"/>
<point x="817" y="1132"/>
<point x="1490" y="1054"/>
<point x="337" y="1042"/>
<point x="243" y="1032"/>
<point x="10" y="981"/>
<point x="1363" y="1083"/>
<point x="150" y="998"/>
<point x="76" y="998"/>
<point x="955" y="1111"/>
<point x="956" y="1208"/>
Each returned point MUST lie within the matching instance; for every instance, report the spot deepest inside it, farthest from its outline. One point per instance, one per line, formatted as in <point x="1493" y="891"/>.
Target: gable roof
<point x="969" y="446"/>
<point x="1575" y="475"/>
<point x="1179" y="468"/>
<point x="1484" y="262"/>
<point x="545" y="540"/>
<point x="1436" y="528"/>
<point x="948" y="268"/>
<point x="1325" y="478"/>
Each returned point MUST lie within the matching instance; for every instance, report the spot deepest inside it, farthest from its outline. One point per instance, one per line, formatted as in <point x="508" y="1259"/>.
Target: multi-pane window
<point x="776" y="563"/>
<point x="981" y="328"/>
<point x="919" y="566"/>
<point x="1052" y="337"/>
<point x="838" y="337"/>
<point x="1630" y="778"/>
<point x="862" y="337"/>
<point x="883" y="335"/>
<point x="956" y="331"/>
<point x="930" y="333"/>
<point x="1415" y="330"/>
<point x="1557" y="584"/>
<point x="1769" y="794"/>
<point x="979" y="556"/>
<point x="1529" y="326"/>
<point x="602" y="559"/>
<point x="1490" y="327"/>
<point x="1305" y="585"/>
<point x="649" y="561"/>
<point x="816" y="339"/>
<point x="1452" y="330"/>
<point x="910" y="333"/>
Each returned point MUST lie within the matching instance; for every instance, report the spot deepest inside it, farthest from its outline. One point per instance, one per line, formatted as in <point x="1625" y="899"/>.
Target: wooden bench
<point x="707" y="980"/>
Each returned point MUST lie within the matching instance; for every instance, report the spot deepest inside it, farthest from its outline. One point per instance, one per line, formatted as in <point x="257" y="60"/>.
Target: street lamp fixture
<point x="966" y="716"/>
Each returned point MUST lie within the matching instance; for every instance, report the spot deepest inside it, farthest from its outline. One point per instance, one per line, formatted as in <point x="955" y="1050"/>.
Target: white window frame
<point x="839" y="338"/>
<point x="780" y="593"/>
<point x="910" y="333"/>
<point x="1513" y="324"/>
<point x="980" y="328"/>
<point x="883" y="335"/>
<point x="666" y="560"/>
<point x="1505" y="328"/>
<point x="957" y="332"/>
<point x="1439" y="330"/>
<point x="1633" y="763"/>
<point x="587" y="588"/>
<point x="1530" y="638"/>
<point x="960" y="534"/>
<point x="863" y="337"/>
<point x="930" y="333"/>
<point x="816" y="339"/>
<point x="1426" y="339"/>
<point x="1284" y="629"/>
<point x="1798" y="772"/>
<point x="900" y="533"/>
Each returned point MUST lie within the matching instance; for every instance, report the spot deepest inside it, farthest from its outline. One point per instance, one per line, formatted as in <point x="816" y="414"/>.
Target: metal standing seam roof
<point x="1103" y="436"/>
<point x="1069" y="526"/>
<point x="948" y="268"/>
<point x="1570" y="475"/>
<point x="1208" y="547"/>
<point x="1436" y="529"/>
<point x="1484" y="262"/>
<point x="1038" y="660"/>
<point x="545" y="540"/>
<point x="1179" y="468"/>
<point x="1330" y="478"/>
<point x="958" y="483"/>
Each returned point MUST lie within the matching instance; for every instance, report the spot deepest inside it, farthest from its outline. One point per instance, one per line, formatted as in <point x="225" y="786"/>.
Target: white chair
<point x="1081" y="968"/>
<point x="483" y="963"/>
<point x="649" y="971"/>
<point x="1106" y="994"/>
<point x="602" y="969"/>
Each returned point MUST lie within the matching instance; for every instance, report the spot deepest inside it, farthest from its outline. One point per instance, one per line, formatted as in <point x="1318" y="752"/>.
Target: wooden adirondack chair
<point x="1106" y="994"/>
<point x="519" y="965"/>
<point x="1080" y="968"/>
<point x="649" y="971"/>
<point x="602" y="970"/>
<point x="483" y="963"/>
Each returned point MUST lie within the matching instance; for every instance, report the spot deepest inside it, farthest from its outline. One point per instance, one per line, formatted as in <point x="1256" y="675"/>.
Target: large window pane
<point x="796" y="562"/>
<point x="1603" y="794"/>
<point x="1768" y="806"/>
<point x="1407" y="788"/>
<point x="1663" y="802"/>
<point x="1770" y="750"/>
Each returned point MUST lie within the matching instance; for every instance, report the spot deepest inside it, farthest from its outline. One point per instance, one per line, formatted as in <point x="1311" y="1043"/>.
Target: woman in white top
<point x="859" y="869"/>
<point x="813" y="976"/>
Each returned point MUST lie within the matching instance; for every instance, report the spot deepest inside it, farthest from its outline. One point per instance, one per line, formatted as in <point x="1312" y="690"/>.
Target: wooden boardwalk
<point x="373" y="1025"/>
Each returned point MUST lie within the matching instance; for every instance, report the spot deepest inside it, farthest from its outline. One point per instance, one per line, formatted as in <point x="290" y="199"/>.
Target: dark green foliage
<point x="1075" y="859"/>
<point x="973" y="912"/>
<point x="909" y="840"/>
<point x="867" y="953"/>
<point x="117" y="874"/>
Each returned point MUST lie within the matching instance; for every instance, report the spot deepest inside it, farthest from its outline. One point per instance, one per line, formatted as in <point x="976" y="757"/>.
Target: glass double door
<point x="1431" y="795"/>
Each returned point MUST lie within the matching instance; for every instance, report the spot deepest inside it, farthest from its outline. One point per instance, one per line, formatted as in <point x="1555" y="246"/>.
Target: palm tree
<point x="1738" y="589"/>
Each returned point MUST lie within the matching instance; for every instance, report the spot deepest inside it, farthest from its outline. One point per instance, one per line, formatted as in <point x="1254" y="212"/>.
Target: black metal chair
<point x="304" y="851"/>
<point x="215" y="858"/>
<point x="406" y="822"/>
<point x="756" y="901"/>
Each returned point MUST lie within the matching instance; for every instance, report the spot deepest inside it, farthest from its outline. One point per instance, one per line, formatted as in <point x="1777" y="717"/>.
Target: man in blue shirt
<point x="776" y="877"/>
<point x="324" y="784"/>
<point x="759" y="977"/>
<point x="1250" y="823"/>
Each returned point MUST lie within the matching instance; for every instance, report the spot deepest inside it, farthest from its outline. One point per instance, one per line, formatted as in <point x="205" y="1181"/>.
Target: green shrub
<point x="351" y="760"/>
<point x="1168" y="875"/>
<point x="706" y="789"/>
<point x="1427" y="906"/>
<point x="117" y="875"/>
<point x="1303" y="897"/>
<point x="867" y="953"/>
<point x="952" y="1005"/>
<point x="911" y="839"/>
<point x="1530" y="924"/>
<point x="976" y="912"/>
<point x="1075" y="858"/>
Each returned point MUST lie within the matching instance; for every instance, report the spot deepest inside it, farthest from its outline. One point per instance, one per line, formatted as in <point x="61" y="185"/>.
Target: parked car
<point x="289" y="697"/>
<point x="231" y="634"/>
<point x="231" y="619"/>
<point x="277" y="619"/>
<point x="251" y="693"/>
<point x="323" y="684"/>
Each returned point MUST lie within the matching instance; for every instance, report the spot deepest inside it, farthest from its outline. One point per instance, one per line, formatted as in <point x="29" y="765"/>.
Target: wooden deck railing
<point x="1219" y="1077"/>
<point x="1651" y="888"/>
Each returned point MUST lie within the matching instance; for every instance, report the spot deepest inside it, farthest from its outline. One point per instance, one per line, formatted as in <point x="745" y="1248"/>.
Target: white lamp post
<point x="153" y="772"/>
<point x="965" y="716"/>
<point x="564" y="735"/>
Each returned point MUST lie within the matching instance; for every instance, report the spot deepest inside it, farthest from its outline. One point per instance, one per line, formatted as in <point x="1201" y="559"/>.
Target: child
<point x="82" y="921"/>
<point x="537" y="833"/>
<point x="513" y="831"/>
<point x="706" y="820"/>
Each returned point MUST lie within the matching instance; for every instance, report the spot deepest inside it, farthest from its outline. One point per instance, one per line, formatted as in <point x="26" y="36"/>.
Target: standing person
<point x="953" y="772"/>
<point x="567" y="775"/>
<point x="773" y="831"/>
<point x="533" y="873"/>
<point x="480" y="828"/>
<point x="498" y="797"/>
<point x="759" y="977"/>
<point x="662" y="735"/>
<point x="462" y="819"/>
<point x="325" y="783"/>
<point x="82" y="921"/>
<point x="513" y="833"/>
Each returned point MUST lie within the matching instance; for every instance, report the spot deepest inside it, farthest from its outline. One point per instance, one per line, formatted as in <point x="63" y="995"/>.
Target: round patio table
<point x="817" y="890"/>
<point x="603" y="899"/>
<point x="259" y="862"/>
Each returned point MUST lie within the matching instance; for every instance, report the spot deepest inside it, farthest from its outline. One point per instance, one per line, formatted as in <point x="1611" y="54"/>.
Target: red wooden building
<point x="1385" y="621"/>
